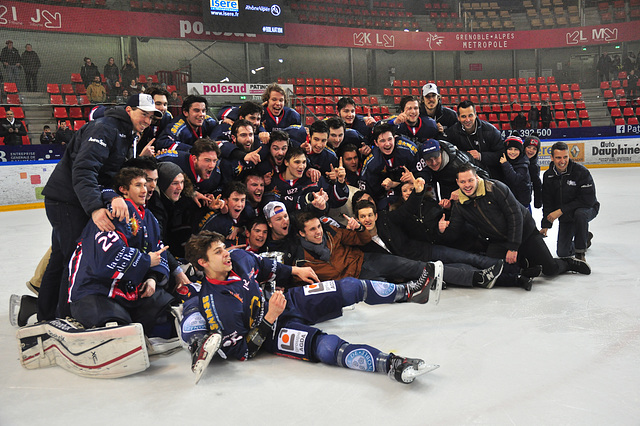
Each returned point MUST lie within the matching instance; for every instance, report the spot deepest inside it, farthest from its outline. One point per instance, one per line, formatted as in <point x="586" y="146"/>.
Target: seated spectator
<point x="134" y="88"/>
<point x="47" y="137"/>
<point x="115" y="92"/>
<point x="64" y="133"/>
<point x="121" y="100"/>
<point x="120" y="276"/>
<point x="175" y="104"/>
<point x="12" y="129"/>
<point x="88" y="71"/>
<point x="96" y="91"/>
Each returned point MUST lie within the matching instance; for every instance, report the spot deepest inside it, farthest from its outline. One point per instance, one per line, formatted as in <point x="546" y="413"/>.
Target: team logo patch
<point x="292" y="341"/>
<point x="360" y="359"/>
<point x="317" y="288"/>
<point x="383" y="289"/>
<point x="194" y="323"/>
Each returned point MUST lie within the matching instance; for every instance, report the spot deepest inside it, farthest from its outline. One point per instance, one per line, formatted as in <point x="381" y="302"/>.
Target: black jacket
<point x="516" y="176"/>
<point x="445" y="116"/>
<point x="536" y="182"/>
<point x="15" y="137"/>
<point x="92" y="158"/>
<point x="486" y="139"/>
<point x="495" y="213"/>
<point x="30" y="62"/>
<point x="446" y="176"/>
<point x="568" y="191"/>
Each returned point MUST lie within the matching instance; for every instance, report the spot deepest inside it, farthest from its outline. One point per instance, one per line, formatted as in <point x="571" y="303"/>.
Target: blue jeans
<point x="572" y="235"/>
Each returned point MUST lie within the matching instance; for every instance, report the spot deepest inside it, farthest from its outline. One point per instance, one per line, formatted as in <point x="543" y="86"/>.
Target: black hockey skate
<point x="405" y="370"/>
<point x="490" y="275"/>
<point x="202" y="352"/>
<point x="428" y="286"/>
<point x="21" y="308"/>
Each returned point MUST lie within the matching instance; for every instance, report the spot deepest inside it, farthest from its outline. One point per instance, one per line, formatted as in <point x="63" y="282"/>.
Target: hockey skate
<point x="428" y="286"/>
<point x="21" y="308"/>
<point x="105" y="352"/>
<point x="405" y="370"/>
<point x="490" y="275"/>
<point x="202" y="353"/>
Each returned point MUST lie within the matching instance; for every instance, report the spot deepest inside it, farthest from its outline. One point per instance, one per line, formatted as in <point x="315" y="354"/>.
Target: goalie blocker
<point x="106" y="352"/>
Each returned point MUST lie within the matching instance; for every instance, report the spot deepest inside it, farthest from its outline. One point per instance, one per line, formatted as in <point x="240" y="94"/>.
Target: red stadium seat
<point x="53" y="88"/>
<point x="71" y="100"/>
<point x="57" y="100"/>
<point x="76" y="78"/>
<point x="18" y="112"/>
<point x="10" y="88"/>
<point x="60" y="112"/>
<point x="13" y="98"/>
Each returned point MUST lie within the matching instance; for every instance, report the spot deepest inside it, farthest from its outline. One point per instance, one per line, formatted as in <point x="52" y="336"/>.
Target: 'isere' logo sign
<point x="597" y="34"/>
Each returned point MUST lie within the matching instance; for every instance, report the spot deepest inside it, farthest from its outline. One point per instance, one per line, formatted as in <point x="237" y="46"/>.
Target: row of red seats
<point x="360" y="109"/>
<point x="615" y="84"/>
<point x="345" y="21"/>
<point x="348" y="11"/>
<point x="70" y="100"/>
<point x="331" y="100"/>
<point x="542" y="90"/>
<point x="77" y="78"/>
<point x="310" y="81"/>
<point x="360" y="3"/>
<point x="493" y="99"/>
<point x="162" y="7"/>
<point x="330" y="91"/>
<point x="486" y="82"/>
<point x="75" y="112"/>
<point x="563" y="124"/>
<point x="622" y="121"/>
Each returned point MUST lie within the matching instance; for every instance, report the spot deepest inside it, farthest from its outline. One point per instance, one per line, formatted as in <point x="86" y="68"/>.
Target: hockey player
<point x="227" y="312"/>
<point x="411" y="124"/>
<point x="432" y="107"/>
<point x="119" y="275"/>
<point x="193" y="124"/>
<point x="277" y="116"/>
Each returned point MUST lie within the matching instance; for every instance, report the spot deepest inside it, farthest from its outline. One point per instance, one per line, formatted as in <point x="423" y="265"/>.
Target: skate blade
<point x="436" y="287"/>
<point x="210" y="347"/>
<point x="14" y="309"/>
<point x="410" y="374"/>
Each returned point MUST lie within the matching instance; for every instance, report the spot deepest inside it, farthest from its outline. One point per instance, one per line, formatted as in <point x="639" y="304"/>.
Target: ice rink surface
<point x="566" y="353"/>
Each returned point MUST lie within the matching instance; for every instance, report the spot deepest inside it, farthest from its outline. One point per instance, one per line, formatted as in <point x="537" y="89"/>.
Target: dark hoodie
<point x="534" y="171"/>
<point x="516" y="176"/>
<point x="92" y="158"/>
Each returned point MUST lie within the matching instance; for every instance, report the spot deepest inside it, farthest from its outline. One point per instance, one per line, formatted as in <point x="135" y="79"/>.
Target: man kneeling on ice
<point x="227" y="311"/>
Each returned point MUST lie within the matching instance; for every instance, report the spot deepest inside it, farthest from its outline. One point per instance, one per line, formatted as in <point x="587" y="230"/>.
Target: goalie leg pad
<point x="106" y="352"/>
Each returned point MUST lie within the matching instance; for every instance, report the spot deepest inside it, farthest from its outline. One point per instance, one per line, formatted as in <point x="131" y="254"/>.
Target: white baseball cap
<point x="145" y="103"/>
<point x="429" y="88"/>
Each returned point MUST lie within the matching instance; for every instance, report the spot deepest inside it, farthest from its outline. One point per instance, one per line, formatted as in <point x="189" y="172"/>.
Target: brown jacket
<point x="346" y="257"/>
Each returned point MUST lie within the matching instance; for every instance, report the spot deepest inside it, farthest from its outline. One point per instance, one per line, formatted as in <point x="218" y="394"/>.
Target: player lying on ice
<point x="227" y="311"/>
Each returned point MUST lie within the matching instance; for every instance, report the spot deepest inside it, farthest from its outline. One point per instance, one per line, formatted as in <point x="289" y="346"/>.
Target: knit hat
<point x="514" y="142"/>
<point x="273" y="208"/>
<point x="167" y="172"/>
<point x="430" y="148"/>
<point x="533" y="141"/>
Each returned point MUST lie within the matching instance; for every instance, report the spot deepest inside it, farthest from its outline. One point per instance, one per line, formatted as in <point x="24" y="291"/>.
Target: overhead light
<point x="225" y="80"/>
<point x="281" y="60"/>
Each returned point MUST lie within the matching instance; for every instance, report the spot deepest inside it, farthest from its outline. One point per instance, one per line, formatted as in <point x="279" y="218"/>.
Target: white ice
<point x="561" y="354"/>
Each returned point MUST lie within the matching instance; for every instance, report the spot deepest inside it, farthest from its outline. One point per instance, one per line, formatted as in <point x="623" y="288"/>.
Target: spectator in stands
<point x="129" y="71"/>
<point x="120" y="100"/>
<point x="175" y="104"/>
<point x="64" y="133"/>
<point x="478" y="137"/>
<point x="432" y="107"/>
<point x="632" y="84"/>
<point x="604" y="63"/>
<point x="519" y="122"/>
<point x="10" y="58"/>
<point x="111" y="73"/>
<point x="47" y="137"/>
<point x="134" y="88"/>
<point x="545" y="114"/>
<point x="534" y="116"/>
<point x="88" y="71"/>
<point x="31" y="64"/>
<point x="114" y="93"/>
<point x="150" y="84"/>
<point x="96" y="91"/>
<point x="12" y="129"/>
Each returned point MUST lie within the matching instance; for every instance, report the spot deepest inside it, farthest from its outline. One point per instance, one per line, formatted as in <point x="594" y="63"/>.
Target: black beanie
<point x="167" y="172"/>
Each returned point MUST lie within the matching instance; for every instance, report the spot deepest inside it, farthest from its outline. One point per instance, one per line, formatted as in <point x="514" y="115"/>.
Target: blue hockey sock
<point x="332" y="350"/>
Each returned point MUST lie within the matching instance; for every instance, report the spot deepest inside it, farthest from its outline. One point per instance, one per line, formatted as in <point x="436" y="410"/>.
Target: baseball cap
<point x="144" y="102"/>
<point x="430" y="148"/>
<point x="273" y="208"/>
<point x="429" y="88"/>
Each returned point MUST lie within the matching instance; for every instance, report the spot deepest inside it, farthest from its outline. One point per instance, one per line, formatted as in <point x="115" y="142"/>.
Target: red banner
<point x="37" y="17"/>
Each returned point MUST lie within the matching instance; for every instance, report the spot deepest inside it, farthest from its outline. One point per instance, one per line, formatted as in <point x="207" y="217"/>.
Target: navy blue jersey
<point x="180" y="135"/>
<point x="288" y="117"/>
<point x="425" y="128"/>
<point x="236" y="305"/>
<point x="361" y="127"/>
<point x="295" y="194"/>
<point x="323" y="161"/>
<point x="377" y="167"/>
<point x="116" y="263"/>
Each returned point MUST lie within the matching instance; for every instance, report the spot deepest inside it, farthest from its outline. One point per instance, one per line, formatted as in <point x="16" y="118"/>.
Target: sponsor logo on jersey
<point x="292" y="341"/>
<point x="360" y="359"/>
<point x="98" y="141"/>
<point x="323" y="287"/>
<point x="383" y="289"/>
<point x="194" y="323"/>
<point x="571" y="182"/>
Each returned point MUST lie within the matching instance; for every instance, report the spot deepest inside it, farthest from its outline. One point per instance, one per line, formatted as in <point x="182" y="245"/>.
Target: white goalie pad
<point x="106" y="352"/>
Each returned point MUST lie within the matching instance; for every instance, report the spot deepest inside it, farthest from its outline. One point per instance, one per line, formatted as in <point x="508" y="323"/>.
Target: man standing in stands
<point x="73" y="192"/>
<point x="10" y="58"/>
<point x="88" y="71"/>
<point x="12" y="129"/>
<point x="31" y="65"/>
